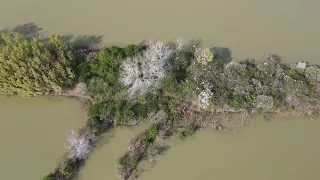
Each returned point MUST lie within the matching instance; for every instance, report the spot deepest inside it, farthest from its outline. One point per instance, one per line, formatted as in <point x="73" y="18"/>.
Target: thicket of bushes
<point x="34" y="67"/>
<point x="133" y="82"/>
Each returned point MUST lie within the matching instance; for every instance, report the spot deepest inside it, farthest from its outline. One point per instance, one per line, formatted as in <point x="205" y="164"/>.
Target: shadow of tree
<point x="31" y="29"/>
<point x="83" y="41"/>
<point x="225" y="53"/>
<point x="28" y="30"/>
<point x="192" y="43"/>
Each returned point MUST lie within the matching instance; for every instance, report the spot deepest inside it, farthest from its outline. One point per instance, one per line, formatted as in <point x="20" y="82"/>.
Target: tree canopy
<point x="34" y="67"/>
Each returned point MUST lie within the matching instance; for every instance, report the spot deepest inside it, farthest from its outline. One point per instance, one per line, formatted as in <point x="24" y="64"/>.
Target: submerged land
<point x="176" y="87"/>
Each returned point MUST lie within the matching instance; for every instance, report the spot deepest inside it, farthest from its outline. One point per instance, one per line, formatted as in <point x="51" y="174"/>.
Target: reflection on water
<point x="250" y="28"/>
<point x="277" y="150"/>
<point x="33" y="134"/>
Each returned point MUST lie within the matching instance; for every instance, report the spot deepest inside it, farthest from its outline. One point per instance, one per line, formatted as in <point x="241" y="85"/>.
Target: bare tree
<point x="78" y="146"/>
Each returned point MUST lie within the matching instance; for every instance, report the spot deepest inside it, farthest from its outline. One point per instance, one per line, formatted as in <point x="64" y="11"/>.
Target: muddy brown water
<point x="279" y="149"/>
<point x="249" y="28"/>
<point x="33" y="134"/>
<point x="33" y="131"/>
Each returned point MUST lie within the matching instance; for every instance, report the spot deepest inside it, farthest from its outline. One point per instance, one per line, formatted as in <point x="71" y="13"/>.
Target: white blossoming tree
<point x="78" y="146"/>
<point x="204" y="98"/>
<point x="143" y="72"/>
<point x="301" y="65"/>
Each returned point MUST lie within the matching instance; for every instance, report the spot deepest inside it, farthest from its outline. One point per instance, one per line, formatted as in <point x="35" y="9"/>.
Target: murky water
<point x="102" y="162"/>
<point x="277" y="150"/>
<point x="249" y="28"/>
<point x="32" y="131"/>
<point x="33" y="134"/>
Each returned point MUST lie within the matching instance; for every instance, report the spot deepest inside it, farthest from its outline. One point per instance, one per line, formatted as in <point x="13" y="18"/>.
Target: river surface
<point x="33" y="134"/>
<point x="249" y="28"/>
<point x="103" y="160"/>
<point x="33" y="131"/>
<point x="281" y="149"/>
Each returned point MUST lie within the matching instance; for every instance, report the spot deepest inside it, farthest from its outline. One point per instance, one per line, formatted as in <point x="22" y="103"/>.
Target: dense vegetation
<point x="175" y="87"/>
<point x="179" y="88"/>
<point x="34" y="67"/>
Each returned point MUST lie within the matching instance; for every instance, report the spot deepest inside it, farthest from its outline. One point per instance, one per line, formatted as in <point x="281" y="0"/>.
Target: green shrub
<point x="260" y="110"/>
<point x="49" y="177"/>
<point x="127" y="161"/>
<point x="251" y="69"/>
<point x="189" y="89"/>
<point x="172" y="112"/>
<point x="169" y="84"/>
<point x="249" y="99"/>
<point x="152" y="132"/>
<point x="122" y="161"/>
<point x="95" y="124"/>
<point x="124" y="111"/>
<point x="132" y="50"/>
<point x="150" y="135"/>
<point x="95" y="110"/>
<point x="212" y="100"/>
<point x="113" y="53"/>
<point x="237" y="102"/>
<point x="277" y="103"/>
<point x="108" y="64"/>
<point x="187" y="131"/>
<point x="152" y="101"/>
<point x="168" y="105"/>
<point x="97" y="86"/>
<point x="297" y="75"/>
<point x="178" y="65"/>
<point x="30" y="68"/>
<point x="140" y="110"/>
<point x="64" y="171"/>
<point x="84" y="72"/>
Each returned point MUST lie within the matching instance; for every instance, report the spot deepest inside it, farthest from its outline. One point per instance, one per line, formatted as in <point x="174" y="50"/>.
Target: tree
<point x="140" y="73"/>
<point x="78" y="146"/>
<point x="313" y="73"/>
<point x="203" y="56"/>
<point x="265" y="102"/>
<point x="235" y="77"/>
<point x="204" y="97"/>
<point x="30" y="68"/>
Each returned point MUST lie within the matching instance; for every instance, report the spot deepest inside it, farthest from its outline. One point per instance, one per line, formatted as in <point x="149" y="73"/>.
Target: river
<point x="278" y="150"/>
<point x="249" y="28"/>
<point x="33" y="134"/>
<point x="33" y="131"/>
